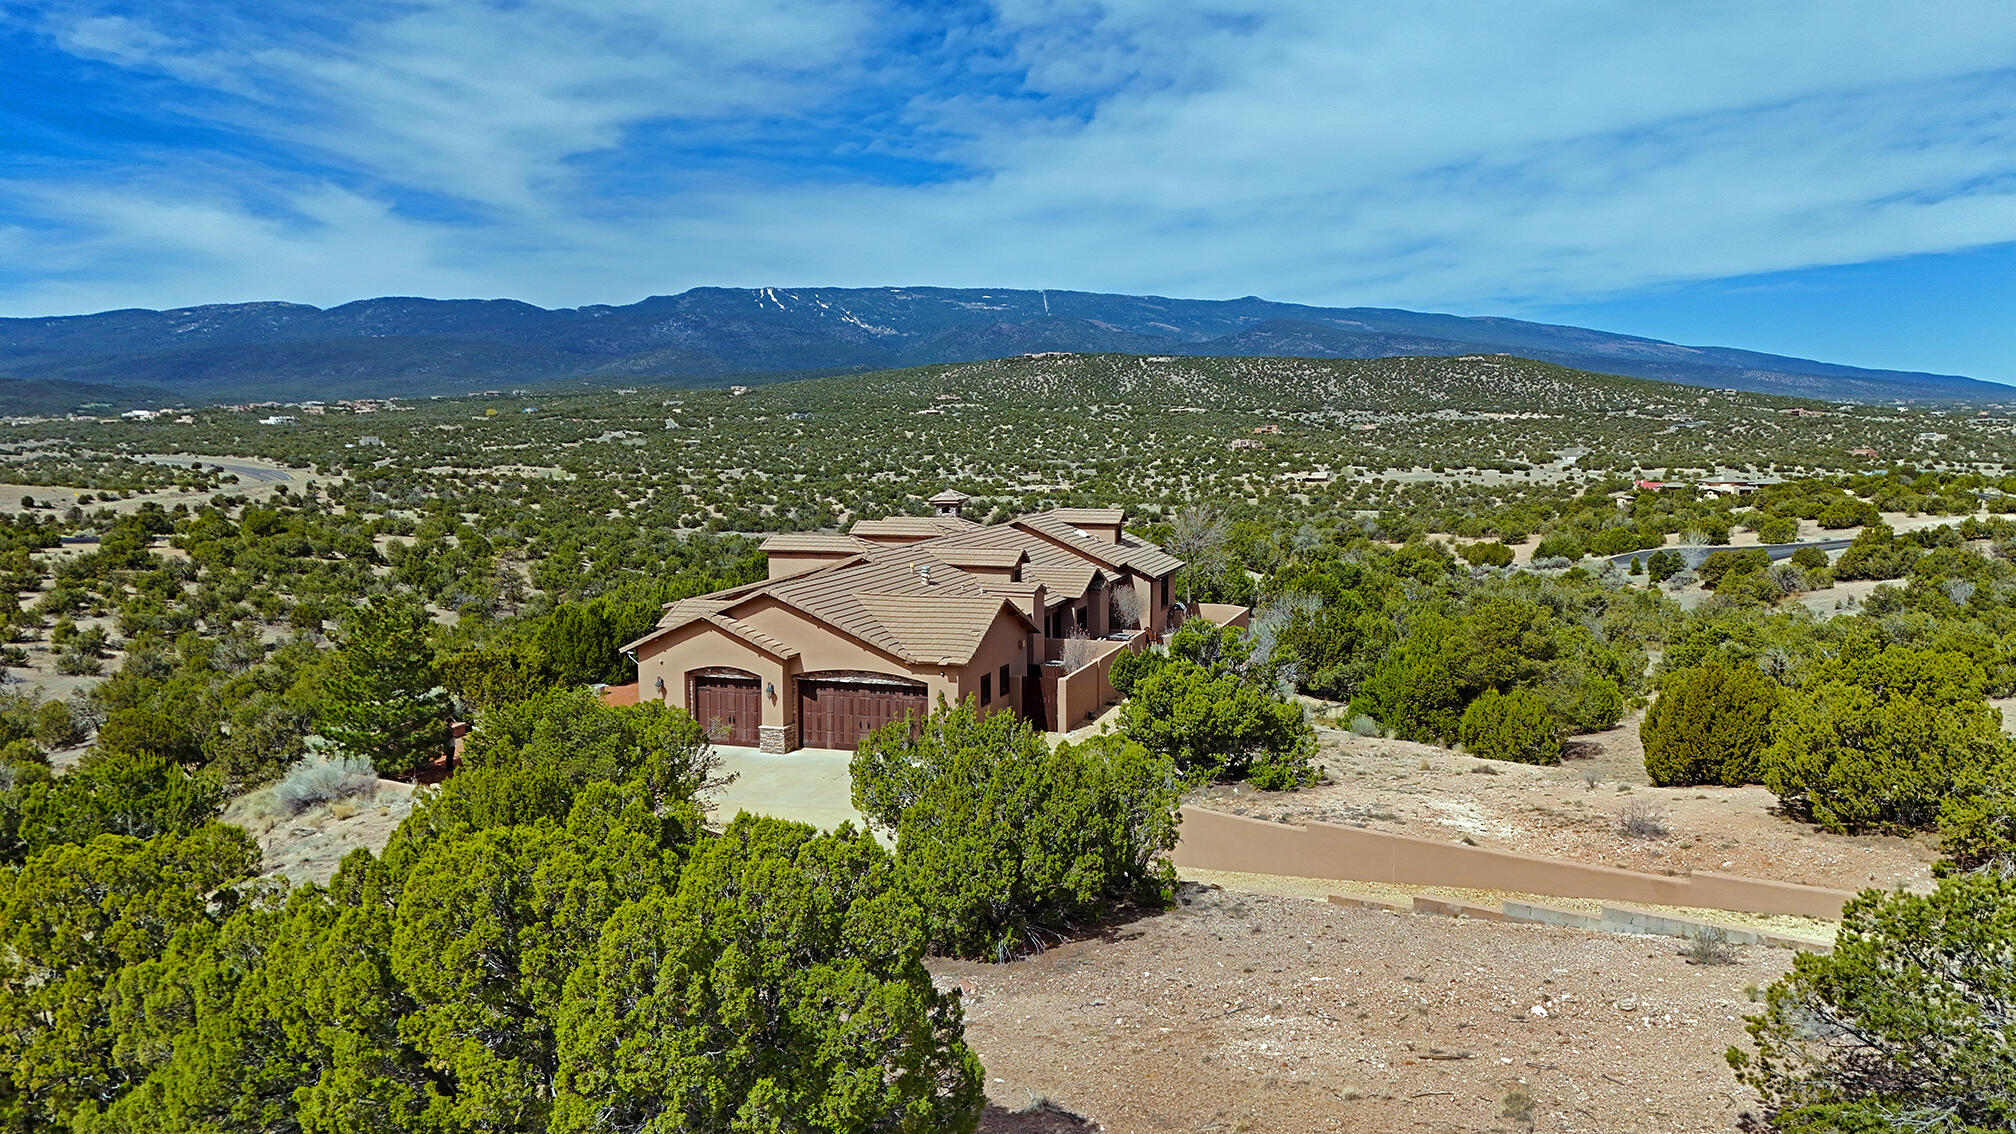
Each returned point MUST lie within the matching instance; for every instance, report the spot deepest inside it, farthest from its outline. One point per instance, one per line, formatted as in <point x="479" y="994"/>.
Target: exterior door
<point x="729" y="708"/>
<point x="839" y="712"/>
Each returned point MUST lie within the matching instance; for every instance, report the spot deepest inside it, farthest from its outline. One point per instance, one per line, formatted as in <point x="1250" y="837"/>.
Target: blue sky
<point x="1835" y="180"/>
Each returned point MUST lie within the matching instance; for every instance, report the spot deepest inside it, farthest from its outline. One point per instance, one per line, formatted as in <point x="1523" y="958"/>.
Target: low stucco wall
<point x="1213" y="840"/>
<point x="1082" y="693"/>
<point x="1226" y="614"/>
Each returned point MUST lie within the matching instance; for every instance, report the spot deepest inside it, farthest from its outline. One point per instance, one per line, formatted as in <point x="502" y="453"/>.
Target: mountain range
<point x="407" y="346"/>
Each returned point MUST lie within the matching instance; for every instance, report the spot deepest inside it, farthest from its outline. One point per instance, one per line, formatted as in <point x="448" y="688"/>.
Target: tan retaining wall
<point x="1213" y="840"/>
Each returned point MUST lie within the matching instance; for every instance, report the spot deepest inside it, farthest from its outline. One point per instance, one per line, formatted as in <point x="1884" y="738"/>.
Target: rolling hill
<point x="707" y="335"/>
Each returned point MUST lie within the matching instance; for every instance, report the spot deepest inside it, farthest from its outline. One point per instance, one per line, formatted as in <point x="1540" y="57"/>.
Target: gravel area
<point x="1252" y="1012"/>
<point x="1574" y="812"/>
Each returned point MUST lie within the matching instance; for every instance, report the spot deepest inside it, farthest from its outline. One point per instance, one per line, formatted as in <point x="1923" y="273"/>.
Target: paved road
<point x="1694" y="555"/>
<point x="246" y="474"/>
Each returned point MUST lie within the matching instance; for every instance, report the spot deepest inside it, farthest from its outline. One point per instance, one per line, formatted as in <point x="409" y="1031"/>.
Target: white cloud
<point x="1435" y="155"/>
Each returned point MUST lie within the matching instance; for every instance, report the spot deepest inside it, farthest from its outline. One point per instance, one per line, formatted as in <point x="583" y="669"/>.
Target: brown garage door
<point x="729" y="708"/>
<point x="838" y="712"/>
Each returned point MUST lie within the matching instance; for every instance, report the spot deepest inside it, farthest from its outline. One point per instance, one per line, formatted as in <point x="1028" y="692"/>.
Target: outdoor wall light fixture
<point x="660" y="683"/>
<point x="770" y="688"/>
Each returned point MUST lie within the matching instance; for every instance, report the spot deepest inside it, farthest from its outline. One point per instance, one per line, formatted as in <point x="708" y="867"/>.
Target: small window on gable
<point x="986" y="688"/>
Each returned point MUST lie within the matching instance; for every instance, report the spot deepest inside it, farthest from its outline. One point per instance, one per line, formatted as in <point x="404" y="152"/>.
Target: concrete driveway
<point x="810" y="785"/>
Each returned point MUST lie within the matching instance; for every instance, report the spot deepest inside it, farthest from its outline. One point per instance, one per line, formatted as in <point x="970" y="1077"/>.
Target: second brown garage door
<point x="838" y="712"/>
<point x="729" y="708"/>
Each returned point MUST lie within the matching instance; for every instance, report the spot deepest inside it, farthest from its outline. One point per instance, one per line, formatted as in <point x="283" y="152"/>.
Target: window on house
<point x="1165" y="590"/>
<point x="986" y="688"/>
<point x="1004" y="681"/>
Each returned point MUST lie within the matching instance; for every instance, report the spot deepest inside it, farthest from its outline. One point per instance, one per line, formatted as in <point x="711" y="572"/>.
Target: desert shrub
<point x="1001" y="837"/>
<point x="1709" y="724"/>
<point x="1876" y="554"/>
<point x="1565" y="547"/>
<point x="1663" y="565"/>
<point x="1218" y="725"/>
<point x="56" y="726"/>
<point x="1514" y="726"/>
<point x="1722" y="564"/>
<point x="1778" y="529"/>
<point x="1847" y="514"/>
<point x="319" y="780"/>
<point x="1908" y="1024"/>
<point x="1978" y="829"/>
<point x="1880" y="742"/>
<point x="1809" y="558"/>
<point x="1583" y="700"/>
<point x="1642" y="821"/>
<point x="1489" y="553"/>
<point x="1709" y="945"/>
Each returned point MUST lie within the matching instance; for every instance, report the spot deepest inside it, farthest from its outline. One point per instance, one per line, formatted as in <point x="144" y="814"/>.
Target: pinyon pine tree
<point x="383" y="700"/>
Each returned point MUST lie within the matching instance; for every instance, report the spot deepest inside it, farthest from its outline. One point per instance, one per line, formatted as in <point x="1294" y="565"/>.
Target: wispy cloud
<point x="1435" y="154"/>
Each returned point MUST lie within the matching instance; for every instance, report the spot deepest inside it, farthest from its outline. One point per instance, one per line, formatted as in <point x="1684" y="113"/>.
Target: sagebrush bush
<point x="319" y="780"/>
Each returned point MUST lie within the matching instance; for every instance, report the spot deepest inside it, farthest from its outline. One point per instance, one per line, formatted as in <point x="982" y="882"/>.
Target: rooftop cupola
<point x="949" y="502"/>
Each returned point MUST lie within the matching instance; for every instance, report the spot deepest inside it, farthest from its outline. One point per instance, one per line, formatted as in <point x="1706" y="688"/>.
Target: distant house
<point x="737" y="391"/>
<point x="1270" y="428"/>
<point x="852" y="631"/>
<point x="1729" y="487"/>
<point x="278" y="419"/>
<point x="1246" y="443"/>
<point x="1654" y="485"/>
<point x="1865" y="451"/>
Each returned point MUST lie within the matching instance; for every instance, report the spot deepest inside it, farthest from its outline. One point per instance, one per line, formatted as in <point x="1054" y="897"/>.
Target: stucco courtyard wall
<point x="1213" y="840"/>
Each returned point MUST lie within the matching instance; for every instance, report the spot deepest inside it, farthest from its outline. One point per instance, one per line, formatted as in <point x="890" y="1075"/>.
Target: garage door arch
<point x="837" y="709"/>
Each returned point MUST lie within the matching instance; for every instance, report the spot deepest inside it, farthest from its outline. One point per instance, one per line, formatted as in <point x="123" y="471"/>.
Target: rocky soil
<point x="1242" y="1012"/>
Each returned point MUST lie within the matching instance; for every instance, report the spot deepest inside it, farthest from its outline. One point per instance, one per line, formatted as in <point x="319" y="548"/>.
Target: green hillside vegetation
<point x="514" y="957"/>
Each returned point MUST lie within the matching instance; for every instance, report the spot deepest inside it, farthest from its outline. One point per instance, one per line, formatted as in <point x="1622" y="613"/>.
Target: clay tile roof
<point x="834" y="594"/>
<point x="811" y="541"/>
<point x="949" y="496"/>
<point x="1096" y="517"/>
<point x="1140" y="555"/>
<point x="925" y="526"/>
<point x="945" y="629"/>
<point x="753" y="636"/>
<point x="1007" y="557"/>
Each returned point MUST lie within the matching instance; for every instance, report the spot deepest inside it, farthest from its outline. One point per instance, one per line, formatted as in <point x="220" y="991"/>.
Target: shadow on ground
<point x="1039" y="1118"/>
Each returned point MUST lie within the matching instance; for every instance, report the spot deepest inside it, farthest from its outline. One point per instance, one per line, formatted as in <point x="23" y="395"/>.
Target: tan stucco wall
<point x="703" y="645"/>
<point x="1008" y="643"/>
<point x="1213" y="840"/>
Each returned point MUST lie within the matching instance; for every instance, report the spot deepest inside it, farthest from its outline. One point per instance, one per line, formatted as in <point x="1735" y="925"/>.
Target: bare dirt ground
<point x="1573" y="812"/>
<point x="1243" y="1012"/>
<point x="309" y="846"/>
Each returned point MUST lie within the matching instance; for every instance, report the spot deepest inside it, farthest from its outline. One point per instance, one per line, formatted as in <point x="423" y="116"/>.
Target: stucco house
<point x="852" y="631"/>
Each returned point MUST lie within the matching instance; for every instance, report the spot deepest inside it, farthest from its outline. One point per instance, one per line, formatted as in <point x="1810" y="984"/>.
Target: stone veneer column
<point x="773" y="738"/>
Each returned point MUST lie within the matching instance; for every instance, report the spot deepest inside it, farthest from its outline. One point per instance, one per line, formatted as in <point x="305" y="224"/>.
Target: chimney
<point x="949" y="502"/>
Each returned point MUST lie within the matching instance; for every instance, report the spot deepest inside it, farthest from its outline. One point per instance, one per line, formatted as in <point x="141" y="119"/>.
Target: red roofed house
<point x="852" y="631"/>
